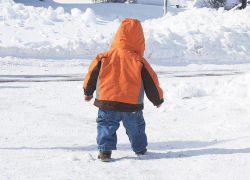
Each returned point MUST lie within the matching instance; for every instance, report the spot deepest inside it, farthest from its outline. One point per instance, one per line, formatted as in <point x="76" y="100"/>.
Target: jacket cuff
<point x="85" y="93"/>
<point x="156" y="103"/>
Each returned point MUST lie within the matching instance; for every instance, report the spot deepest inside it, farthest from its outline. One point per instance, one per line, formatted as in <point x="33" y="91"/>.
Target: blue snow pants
<point x="108" y="123"/>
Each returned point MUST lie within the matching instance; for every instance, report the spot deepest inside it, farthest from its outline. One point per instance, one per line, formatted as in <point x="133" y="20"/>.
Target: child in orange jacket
<point x="120" y="77"/>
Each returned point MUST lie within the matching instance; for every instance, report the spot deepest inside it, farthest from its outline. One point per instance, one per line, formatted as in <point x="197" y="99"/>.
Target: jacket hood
<point x="130" y="36"/>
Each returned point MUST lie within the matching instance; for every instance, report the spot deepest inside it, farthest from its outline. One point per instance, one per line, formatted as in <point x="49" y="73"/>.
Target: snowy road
<point x="80" y="76"/>
<point x="47" y="131"/>
<point x="41" y="78"/>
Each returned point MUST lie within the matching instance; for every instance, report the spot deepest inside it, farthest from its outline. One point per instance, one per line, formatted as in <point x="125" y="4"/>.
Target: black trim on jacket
<point x="91" y="85"/>
<point x="118" y="106"/>
<point x="150" y="87"/>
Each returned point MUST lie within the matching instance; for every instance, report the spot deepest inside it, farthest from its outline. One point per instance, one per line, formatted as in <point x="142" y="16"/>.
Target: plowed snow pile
<point x="192" y="35"/>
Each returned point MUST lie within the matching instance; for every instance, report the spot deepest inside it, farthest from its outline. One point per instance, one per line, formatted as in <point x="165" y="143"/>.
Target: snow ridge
<point x="192" y="35"/>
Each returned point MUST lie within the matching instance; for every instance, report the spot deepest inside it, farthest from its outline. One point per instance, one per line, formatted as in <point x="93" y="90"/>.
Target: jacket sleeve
<point x="151" y="84"/>
<point x="90" y="79"/>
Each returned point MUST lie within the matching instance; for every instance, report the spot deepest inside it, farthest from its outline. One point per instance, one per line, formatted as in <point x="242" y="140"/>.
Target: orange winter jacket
<point x="121" y="75"/>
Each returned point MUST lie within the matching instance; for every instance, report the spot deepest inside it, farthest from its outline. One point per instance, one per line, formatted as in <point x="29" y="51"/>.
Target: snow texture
<point x="47" y="131"/>
<point x="206" y="35"/>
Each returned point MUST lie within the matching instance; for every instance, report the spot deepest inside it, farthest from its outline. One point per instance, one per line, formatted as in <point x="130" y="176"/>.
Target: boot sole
<point x="105" y="160"/>
<point x="141" y="153"/>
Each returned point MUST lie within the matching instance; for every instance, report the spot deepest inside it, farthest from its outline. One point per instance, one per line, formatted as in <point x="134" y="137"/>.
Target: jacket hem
<point x="118" y="106"/>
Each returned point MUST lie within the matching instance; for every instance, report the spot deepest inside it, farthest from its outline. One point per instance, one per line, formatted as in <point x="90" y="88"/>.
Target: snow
<point x="182" y="3"/>
<point x="223" y="35"/>
<point x="74" y="1"/>
<point x="48" y="132"/>
<point x="89" y="16"/>
<point x="201" y="57"/>
<point x="191" y="35"/>
<point x="151" y="2"/>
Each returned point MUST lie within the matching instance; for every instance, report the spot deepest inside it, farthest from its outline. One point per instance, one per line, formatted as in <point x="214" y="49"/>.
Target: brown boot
<point x="140" y="153"/>
<point x="105" y="155"/>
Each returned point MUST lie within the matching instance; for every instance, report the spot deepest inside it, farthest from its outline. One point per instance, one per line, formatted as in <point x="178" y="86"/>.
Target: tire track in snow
<point x="80" y="77"/>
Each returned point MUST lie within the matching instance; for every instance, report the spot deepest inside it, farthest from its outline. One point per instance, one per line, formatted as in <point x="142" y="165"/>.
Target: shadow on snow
<point x="188" y="153"/>
<point x="158" y="146"/>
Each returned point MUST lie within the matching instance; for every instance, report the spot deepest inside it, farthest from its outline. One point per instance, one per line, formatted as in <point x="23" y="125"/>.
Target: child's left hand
<point x="88" y="98"/>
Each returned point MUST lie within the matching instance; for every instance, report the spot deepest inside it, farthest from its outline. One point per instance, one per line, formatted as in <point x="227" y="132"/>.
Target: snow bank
<point x="236" y="88"/>
<point x="89" y="16"/>
<point x="74" y="1"/>
<point x="12" y="11"/>
<point x="38" y="28"/>
<point x="200" y="34"/>
<point x="183" y="90"/>
<point x="192" y="35"/>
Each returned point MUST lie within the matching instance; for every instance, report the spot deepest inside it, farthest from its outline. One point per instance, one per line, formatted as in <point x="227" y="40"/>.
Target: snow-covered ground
<point x="47" y="131"/>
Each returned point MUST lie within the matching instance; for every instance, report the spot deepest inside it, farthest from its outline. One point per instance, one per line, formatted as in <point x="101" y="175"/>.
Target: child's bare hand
<point x="158" y="106"/>
<point x="88" y="98"/>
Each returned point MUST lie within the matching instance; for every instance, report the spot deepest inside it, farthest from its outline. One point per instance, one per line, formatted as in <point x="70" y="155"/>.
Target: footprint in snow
<point x="88" y="157"/>
<point x="74" y="158"/>
<point x="85" y="157"/>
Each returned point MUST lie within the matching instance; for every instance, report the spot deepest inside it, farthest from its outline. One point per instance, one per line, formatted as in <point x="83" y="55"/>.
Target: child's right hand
<point x="158" y="106"/>
<point x="88" y="98"/>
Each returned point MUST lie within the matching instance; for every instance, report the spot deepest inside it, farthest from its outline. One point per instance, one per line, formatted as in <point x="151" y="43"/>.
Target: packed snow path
<point x="47" y="131"/>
